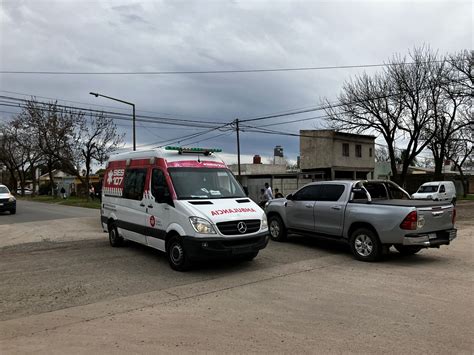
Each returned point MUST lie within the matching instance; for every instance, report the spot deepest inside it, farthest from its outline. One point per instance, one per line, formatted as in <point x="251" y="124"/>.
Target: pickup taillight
<point x="410" y="222"/>
<point x="454" y="216"/>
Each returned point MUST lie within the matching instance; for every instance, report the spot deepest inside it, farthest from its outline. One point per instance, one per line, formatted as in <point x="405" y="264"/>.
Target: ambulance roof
<point x="168" y="155"/>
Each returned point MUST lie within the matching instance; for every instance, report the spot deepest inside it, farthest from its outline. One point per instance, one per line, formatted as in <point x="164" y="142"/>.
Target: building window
<point x="358" y="150"/>
<point x="370" y="152"/>
<point x="345" y="149"/>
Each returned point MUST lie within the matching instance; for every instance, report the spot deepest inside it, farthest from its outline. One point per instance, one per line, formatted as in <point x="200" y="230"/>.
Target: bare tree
<point x="97" y="137"/>
<point x="13" y="156"/>
<point x="53" y="129"/>
<point x="411" y="100"/>
<point x="369" y="104"/>
<point x="460" y="148"/>
<point x="418" y="85"/>
<point x="449" y="99"/>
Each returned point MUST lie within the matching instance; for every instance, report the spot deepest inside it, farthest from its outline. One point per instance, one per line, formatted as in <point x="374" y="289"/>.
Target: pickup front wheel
<point x="365" y="245"/>
<point x="277" y="229"/>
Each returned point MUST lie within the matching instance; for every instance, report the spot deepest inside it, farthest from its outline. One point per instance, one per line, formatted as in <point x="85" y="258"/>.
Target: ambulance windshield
<point x="199" y="183"/>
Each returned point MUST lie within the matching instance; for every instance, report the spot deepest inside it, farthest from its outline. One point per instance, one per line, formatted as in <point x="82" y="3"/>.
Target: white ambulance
<point x="183" y="201"/>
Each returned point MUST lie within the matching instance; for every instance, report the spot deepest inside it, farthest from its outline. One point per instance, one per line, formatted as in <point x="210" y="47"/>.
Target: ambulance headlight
<point x="264" y="224"/>
<point x="202" y="226"/>
<point x="11" y="199"/>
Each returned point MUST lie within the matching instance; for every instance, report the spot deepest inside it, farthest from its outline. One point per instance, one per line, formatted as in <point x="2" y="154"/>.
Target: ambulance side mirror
<point x="159" y="194"/>
<point x="162" y="195"/>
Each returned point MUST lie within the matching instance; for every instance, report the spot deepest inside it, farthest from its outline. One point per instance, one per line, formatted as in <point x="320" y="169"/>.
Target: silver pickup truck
<point x="370" y="215"/>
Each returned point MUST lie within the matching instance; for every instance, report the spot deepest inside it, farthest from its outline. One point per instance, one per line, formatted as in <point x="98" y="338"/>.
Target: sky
<point x="157" y="36"/>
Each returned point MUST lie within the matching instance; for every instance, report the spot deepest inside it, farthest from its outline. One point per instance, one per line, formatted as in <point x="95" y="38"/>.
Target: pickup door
<point x="316" y="208"/>
<point x="329" y="210"/>
<point x="300" y="209"/>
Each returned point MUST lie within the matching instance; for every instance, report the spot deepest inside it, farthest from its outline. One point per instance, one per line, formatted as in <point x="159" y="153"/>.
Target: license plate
<point x="1" y="204"/>
<point x="432" y="236"/>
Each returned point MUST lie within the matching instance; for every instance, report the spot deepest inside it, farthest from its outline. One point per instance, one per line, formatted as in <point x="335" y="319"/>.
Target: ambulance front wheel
<point x="114" y="238"/>
<point x="177" y="255"/>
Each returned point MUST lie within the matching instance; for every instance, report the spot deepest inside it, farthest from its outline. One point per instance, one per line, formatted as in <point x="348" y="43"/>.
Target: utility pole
<point x="238" y="147"/>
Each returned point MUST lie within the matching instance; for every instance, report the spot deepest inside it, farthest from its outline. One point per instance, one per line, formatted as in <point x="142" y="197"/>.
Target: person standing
<point x="268" y="192"/>
<point x="63" y="192"/>
<point x="262" y="199"/>
<point x="278" y="194"/>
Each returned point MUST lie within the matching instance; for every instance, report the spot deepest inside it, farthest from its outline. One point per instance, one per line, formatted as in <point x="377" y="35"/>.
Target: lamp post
<point x="124" y="102"/>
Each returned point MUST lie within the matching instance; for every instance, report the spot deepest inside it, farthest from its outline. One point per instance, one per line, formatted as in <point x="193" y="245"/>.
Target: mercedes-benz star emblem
<point x="242" y="227"/>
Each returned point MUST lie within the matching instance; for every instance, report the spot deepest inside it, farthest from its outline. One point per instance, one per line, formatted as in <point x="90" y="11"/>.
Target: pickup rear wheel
<point x="277" y="229"/>
<point x="365" y="245"/>
<point x="407" y="249"/>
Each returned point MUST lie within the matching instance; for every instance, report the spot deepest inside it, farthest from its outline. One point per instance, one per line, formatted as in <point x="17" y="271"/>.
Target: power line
<point x="11" y="101"/>
<point x="89" y="104"/>
<point x="233" y="71"/>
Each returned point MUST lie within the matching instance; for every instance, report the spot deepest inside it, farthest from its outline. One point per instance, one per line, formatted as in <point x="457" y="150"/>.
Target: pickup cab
<point x="369" y="215"/>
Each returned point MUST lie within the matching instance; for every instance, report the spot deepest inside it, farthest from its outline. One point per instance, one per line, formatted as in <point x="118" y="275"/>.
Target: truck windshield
<point x="428" y="188"/>
<point x="207" y="183"/>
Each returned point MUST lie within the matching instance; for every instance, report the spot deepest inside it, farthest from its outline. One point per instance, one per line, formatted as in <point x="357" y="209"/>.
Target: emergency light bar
<point x="205" y="151"/>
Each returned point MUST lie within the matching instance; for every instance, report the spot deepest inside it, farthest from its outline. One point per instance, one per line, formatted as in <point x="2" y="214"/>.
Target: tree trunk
<point x="51" y="178"/>
<point x="13" y="181"/>
<point x="88" y="163"/>
<point x="438" y="172"/>
<point x="35" y="182"/>
<point x="463" y="181"/>
<point x="393" y="161"/>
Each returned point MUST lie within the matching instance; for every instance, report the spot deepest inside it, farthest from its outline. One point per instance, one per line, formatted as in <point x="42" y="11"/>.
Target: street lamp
<point x="124" y="102"/>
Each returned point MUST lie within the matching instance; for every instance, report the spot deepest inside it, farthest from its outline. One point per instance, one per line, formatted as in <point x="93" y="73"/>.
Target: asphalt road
<point x="302" y="296"/>
<point x="28" y="211"/>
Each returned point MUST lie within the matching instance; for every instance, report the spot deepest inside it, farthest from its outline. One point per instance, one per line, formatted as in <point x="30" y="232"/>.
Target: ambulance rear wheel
<point x="177" y="257"/>
<point x="114" y="238"/>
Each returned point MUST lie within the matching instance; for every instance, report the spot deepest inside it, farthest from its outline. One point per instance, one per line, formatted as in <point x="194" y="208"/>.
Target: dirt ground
<point x="66" y="295"/>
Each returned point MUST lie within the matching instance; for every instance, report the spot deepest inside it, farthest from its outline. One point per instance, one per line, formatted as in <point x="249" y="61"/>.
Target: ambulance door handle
<point x="142" y="204"/>
<point x="150" y="206"/>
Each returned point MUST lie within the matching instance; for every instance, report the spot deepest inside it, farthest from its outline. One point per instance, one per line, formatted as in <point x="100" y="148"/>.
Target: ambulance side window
<point x="134" y="184"/>
<point x="159" y="187"/>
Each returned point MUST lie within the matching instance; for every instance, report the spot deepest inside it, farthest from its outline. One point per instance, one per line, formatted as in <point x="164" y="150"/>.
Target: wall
<point x="324" y="149"/>
<point x="316" y="152"/>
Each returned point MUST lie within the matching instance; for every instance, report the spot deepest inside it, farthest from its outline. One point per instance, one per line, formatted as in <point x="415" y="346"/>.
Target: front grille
<point x="3" y="200"/>
<point x="231" y="228"/>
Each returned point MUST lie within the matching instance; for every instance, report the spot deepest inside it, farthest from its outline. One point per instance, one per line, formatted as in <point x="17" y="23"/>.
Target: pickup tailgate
<point x="435" y="218"/>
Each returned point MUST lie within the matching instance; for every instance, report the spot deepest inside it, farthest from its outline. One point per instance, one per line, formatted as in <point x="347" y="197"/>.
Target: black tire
<point x="407" y="249"/>
<point x="277" y="229"/>
<point x="13" y="211"/>
<point x="365" y="245"/>
<point x="177" y="257"/>
<point x="453" y="201"/>
<point x="115" y="239"/>
<point x="250" y="256"/>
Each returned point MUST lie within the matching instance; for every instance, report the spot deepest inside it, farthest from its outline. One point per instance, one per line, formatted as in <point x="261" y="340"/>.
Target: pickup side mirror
<point x="289" y="197"/>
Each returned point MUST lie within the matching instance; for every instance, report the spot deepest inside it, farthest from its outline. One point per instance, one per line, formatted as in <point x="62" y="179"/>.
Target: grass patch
<point x="70" y="201"/>
<point x="468" y="198"/>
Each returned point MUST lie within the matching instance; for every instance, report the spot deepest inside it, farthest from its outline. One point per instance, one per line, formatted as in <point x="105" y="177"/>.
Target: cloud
<point x="211" y="35"/>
